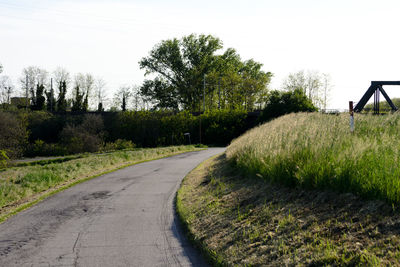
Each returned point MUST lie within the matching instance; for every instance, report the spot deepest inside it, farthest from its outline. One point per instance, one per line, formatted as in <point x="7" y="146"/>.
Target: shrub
<point x="160" y="128"/>
<point x="13" y="134"/>
<point x="119" y="144"/>
<point x="77" y="140"/>
<point x="86" y="137"/>
<point x="3" y="159"/>
<point x="280" y="103"/>
<point x="43" y="125"/>
<point x="93" y="124"/>
<point x="220" y="127"/>
<point x="40" y="148"/>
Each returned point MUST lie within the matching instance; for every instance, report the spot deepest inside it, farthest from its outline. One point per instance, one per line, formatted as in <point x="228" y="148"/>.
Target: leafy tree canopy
<point x="280" y="103"/>
<point x="179" y="67"/>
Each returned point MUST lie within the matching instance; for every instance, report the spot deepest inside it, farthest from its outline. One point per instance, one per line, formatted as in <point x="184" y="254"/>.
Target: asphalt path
<point x="124" y="218"/>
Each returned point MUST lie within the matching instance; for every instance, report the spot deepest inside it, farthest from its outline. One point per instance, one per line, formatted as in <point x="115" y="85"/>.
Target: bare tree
<point x="31" y="77"/>
<point x="100" y="90"/>
<point x="315" y="85"/>
<point x="138" y="100"/>
<point x="326" y="86"/>
<point x="60" y="75"/>
<point x="86" y="83"/>
<point x="122" y="97"/>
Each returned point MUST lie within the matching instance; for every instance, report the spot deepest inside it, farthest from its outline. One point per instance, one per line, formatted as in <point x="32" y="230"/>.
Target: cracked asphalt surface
<point x="124" y="218"/>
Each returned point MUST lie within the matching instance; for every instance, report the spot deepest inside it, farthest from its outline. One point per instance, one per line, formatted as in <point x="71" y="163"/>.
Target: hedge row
<point x="56" y="132"/>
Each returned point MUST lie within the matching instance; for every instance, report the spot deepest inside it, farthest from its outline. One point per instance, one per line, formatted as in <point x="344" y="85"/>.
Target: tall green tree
<point x="183" y="69"/>
<point x="50" y="100"/>
<point x="78" y="100"/>
<point x="39" y="100"/>
<point x="61" y="100"/>
<point x="85" y="82"/>
<point x="284" y="102"/>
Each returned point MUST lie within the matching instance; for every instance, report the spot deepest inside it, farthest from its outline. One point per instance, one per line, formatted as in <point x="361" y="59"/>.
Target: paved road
<point x="124" y="218"/>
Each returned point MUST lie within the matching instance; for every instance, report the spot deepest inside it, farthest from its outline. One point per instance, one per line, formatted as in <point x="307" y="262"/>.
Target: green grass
<point x="383" y="106"/>
<point x="46" y="161"/>
<point x="242" y="220"/>
<point x="319" y="151"/>
<point x="22" y="185"/>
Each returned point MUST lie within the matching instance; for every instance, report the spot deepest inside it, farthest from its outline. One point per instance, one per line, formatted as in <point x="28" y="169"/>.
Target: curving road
<point x="124" y="218"/>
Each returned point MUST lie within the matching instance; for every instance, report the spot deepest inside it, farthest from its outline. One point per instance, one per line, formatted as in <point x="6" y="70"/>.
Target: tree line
<point x="193" y="73"/>
<point x="59" y="91"/>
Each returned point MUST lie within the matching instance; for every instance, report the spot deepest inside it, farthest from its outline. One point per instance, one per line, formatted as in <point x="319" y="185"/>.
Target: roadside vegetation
<point x="319" y="151"/>
<point x="239" y="219"/>
<point x="41" y="133"/>
<point x="300" y="190"/>
<point x="26" y="184"/>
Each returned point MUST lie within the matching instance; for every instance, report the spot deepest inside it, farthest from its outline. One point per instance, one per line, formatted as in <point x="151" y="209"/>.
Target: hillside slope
<point x="319" y="151"/>
<point x="300" y="191"/>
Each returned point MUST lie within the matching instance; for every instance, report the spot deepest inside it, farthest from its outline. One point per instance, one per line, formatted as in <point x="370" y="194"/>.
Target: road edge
<point x="209" y="255"/>
<point x="52" y="191"/>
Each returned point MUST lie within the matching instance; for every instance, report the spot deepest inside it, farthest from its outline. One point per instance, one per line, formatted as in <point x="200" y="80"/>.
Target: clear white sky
<point x="355" y="41"/>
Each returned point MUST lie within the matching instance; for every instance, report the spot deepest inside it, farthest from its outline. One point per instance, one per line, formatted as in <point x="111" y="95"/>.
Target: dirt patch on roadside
<point x="246" y="220"/>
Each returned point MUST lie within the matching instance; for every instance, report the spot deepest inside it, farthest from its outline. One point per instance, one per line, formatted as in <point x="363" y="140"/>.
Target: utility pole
<point x="26" y="96"/>
<point x="8" y="94"/>
<point x="51" y="94"/>
<point x="204" y="93"/>
<point x="219" y="92"/>
<point x="200" y="126"/>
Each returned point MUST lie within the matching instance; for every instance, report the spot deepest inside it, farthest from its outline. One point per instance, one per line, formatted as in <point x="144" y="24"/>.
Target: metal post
<point x="351" y="116"/>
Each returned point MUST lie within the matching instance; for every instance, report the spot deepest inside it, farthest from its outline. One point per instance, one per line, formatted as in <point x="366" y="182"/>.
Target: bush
<point x="119" y="144"/>
<point x="161" y="128"/>
<point x="86" y="137"/>
<point x="13" y="134"/>
<point x="77" y="140"/>
<point x="93" y="124"/>
<point x="220" y="127"/>
<point x="280" y="103"/>
<point x="40" y="148"/>
<point x="60" y="134"/>
<point x="3" y="159"/>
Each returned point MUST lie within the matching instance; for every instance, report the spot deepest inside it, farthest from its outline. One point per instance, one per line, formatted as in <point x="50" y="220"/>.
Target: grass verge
<point x="244" y="220"/>
<point x="21" y="187"/>
<point x="319" y="151"/>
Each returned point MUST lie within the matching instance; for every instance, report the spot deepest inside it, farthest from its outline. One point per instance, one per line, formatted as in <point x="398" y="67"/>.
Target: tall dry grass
<point x="319" y="151"/>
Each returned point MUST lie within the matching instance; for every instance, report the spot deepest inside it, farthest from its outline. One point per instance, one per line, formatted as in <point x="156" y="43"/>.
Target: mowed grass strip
<point x="245" y="220"/>
<point x="22" y="185"/>
<point x="319" y="151"/>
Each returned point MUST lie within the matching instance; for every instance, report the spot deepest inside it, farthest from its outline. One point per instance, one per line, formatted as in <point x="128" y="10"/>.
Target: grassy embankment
<point x="23" y="186"/>
<point x="290" y="201"/>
